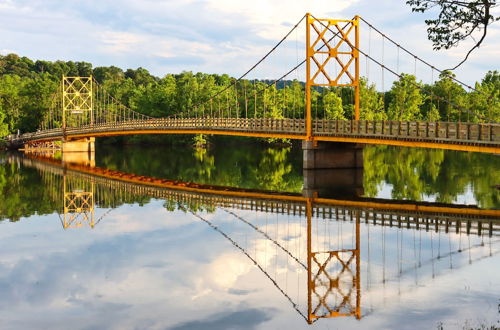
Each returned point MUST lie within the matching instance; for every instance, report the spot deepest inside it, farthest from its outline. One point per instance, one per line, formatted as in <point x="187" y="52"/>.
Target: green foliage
<point x="21" y="194"/>
<point x="371" y="105"/>
<point x="405" y="99"/>
<point x="451" y="98"/>
<point x="485" y="100"/>
<point x="332" y="105"/>
<point x="432" y="114"/>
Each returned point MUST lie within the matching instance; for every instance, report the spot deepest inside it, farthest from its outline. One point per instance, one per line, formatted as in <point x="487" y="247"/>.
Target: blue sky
<point x="214" y="36"/>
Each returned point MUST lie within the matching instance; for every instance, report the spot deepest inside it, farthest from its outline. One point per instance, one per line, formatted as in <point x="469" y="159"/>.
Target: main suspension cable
<point x="258" y="62"/>
<point x="413" y="55"/>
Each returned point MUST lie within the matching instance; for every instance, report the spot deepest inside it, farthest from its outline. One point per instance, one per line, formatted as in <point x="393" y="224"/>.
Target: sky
<point x="212" y="36"/>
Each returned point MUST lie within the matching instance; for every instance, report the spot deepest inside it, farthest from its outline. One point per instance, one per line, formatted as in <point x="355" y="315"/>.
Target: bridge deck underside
<point x="443" y="135"/>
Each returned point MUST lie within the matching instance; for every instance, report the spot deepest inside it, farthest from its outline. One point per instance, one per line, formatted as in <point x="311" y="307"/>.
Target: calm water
<point x="82" y="248"/>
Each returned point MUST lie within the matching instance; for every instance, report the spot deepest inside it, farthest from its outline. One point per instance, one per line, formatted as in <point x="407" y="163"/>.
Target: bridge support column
<point x="333" y="170"/>
<point x="81" y="151"/>
<point x="331" y="155"/>
<point x="80" y="145"/>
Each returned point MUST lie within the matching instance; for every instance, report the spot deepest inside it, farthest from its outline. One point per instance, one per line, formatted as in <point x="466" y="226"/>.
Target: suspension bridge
<point x="310" y="249"/>
<point x="83" y="110"/>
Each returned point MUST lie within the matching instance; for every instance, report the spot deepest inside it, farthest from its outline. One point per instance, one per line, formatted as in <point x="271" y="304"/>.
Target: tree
<point x="140" y="76"/>
<point x="13" y="64"/>
<point x="450" y="98"/>
<point x="11" y="100"/>
<point x="103" y="73"/>
<point x="187" y="87"/>
<point x="295" y="99"/>
<point x="332" y="104"/>
<point x="37" y="96"/>
<point x="371" y="105"/>
<point x="485" y="100"/>
<point x="405" y="99"/>
<point x="432" y="114"/>
<point x="4" y="129"/>
<point x="457" y="20"/>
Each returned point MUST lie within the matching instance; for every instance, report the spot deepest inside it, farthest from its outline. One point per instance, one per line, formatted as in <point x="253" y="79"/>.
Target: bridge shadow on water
<point x="328" y="256"/>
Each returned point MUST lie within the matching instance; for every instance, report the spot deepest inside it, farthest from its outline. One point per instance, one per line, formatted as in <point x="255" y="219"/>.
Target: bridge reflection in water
<point x="309" y="248"/>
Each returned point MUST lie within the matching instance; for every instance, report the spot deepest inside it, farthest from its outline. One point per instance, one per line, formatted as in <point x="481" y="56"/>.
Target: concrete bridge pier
<point x="80" y="151"/>
<point x="79" y="145"/>
<point x="333" y="170"/>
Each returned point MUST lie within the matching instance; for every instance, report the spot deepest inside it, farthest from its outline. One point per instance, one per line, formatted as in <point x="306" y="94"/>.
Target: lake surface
<point x="226" y="238"/>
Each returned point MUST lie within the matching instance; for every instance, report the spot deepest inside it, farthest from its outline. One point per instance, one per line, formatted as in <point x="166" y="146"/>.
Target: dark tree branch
<point x="470" y="50"/>
<point x="456" y="21"/>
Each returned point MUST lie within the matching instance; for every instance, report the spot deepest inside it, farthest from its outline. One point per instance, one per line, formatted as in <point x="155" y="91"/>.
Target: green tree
<point x="371" y="103"/>
<point x="405" y="99"/>
<point x="332" y="104"/>
<point x="11" y="99"/>
<point x="450" y="98"/>
<point x="485" y="100"/>
<point x="432" y="114"/>
<point x="4" y="128"/>
<point x="112" y="73"/>
<point x="295" y="99"/>
<point x="15" y="65"/>
<point x="37" y="94"/>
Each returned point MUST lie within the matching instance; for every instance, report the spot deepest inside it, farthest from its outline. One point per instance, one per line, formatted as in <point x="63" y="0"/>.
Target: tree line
<point x="27" y="88"/>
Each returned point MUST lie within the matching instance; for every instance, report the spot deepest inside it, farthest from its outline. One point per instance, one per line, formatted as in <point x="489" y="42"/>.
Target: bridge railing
<point x="433" y="131"/>
<point x="450" y="132"/>
<point x="263" y="125"/>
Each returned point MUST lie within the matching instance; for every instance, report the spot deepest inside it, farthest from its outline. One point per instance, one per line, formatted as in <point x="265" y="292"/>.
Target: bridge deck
<point x="484" y="137"/>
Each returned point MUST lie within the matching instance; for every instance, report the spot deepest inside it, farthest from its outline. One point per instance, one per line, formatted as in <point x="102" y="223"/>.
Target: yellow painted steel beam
<point x="418" y="144"/>
<point x="415" y="144"/>
<point x="308" y="80"/>
<point x="411" y="207"/>
<point x="316" y="40"/>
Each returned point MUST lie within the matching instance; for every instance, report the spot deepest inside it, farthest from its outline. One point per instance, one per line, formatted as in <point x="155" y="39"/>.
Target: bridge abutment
<point x="332" y="170"/>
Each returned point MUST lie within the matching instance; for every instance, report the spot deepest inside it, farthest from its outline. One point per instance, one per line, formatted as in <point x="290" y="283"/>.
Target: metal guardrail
<point x="427" y="131"/>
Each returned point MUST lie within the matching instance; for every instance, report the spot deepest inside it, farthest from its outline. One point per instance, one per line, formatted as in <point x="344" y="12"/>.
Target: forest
<point x="27" y="88"/>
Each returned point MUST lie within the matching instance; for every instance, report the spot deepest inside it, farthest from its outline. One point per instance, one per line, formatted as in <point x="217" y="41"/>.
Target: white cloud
<point x="120" y="42"/>
<point x="215" y="36"/>
<point x="274" y="17"/>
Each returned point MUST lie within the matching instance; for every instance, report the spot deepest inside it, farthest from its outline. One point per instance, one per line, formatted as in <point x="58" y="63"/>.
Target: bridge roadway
<point x="484" y="137"/>
<point x="420" y="215"/>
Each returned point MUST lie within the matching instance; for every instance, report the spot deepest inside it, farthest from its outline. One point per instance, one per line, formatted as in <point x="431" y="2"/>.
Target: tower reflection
<point x="78" y="203"/>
